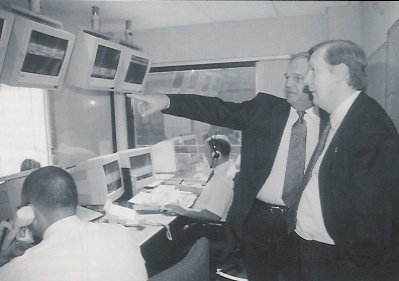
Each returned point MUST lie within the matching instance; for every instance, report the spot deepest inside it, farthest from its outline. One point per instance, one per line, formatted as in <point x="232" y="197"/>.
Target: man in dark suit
<point x="258" y="212"/>
<point x="347" y="215"/>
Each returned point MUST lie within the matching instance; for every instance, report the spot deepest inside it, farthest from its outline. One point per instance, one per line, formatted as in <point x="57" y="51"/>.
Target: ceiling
<point x="149" y="14"/>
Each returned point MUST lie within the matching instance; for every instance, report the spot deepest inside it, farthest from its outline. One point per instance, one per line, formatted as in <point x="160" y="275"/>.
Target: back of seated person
<point x="69" y="249"/>
<point x="29" y="164"/>
<point x="216" y="196"/>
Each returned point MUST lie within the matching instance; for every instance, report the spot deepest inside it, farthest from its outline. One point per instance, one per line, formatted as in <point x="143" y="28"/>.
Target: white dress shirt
<point x="73" y="250"/>
<point x="217" y="194"/>
<point x="272" y="189"/>
<point x="310" y="224"/>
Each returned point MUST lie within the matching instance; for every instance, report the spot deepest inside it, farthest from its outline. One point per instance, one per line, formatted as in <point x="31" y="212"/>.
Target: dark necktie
<point x="292" y="211"/>
<point x="210" y="176"/>
<point x="295" y="161"/>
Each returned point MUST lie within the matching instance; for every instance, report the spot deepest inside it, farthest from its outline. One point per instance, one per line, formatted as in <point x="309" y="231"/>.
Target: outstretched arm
<point x="149" y="104"/>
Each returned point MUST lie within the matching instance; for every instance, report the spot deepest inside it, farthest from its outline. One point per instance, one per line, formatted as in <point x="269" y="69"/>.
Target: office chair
<point x="193" y="267"/>
<point x="225" y="255"/>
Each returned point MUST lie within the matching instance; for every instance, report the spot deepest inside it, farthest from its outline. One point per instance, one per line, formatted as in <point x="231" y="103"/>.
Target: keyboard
<point x="86" y="214"/>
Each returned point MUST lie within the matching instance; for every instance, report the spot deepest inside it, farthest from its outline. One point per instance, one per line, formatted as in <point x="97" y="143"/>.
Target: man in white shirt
<point x="266" y="185"/>
<point x="347" y="217"/>
<point x="70" y="249"/>
<point x="216" y="196"/>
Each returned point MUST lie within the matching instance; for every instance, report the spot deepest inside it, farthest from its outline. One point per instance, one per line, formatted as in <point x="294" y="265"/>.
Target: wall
<point x="377" y="18"/>
<point x="255" y="38"/>
<point x="344" y="22"/>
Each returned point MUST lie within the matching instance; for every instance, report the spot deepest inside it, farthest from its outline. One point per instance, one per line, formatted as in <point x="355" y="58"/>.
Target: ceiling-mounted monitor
<point x="95" y="62"/>
<point x="38" y="52"/>
<point x="6" y="21"/>
<point x="135" y="67"/>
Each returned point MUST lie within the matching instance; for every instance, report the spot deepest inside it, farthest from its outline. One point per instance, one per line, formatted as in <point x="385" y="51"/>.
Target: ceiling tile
<point x="221" y="11"/>
<point x="303" y="8"/>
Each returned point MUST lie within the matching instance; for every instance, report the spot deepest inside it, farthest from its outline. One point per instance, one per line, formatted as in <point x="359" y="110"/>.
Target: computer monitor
<point x="95" y="62"/>
<point x="164" y="156"/>
<point x="187" y="144"/>
<point x="135" y="67"/>
<point x="136" y="167"/>
<point x="10" y="194"/>
<point x="98" y="179"/>
<point x="38" y="52"/>
<point x="6" y="22"/>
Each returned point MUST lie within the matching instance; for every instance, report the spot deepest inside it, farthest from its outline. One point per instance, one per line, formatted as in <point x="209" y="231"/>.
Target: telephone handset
<point x="24" y="218"/>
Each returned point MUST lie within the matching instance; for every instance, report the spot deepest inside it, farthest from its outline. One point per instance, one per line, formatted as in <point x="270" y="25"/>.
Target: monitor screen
<point x="45" y="54"/>
<point x="137" y="70"/>
<point x="106" y="63"/>
<point x="1" y="26"/>
<point x="138" y="162"/>
<point x="113" y="176"/>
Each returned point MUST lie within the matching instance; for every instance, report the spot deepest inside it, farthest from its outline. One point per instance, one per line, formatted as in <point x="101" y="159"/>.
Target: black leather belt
<point x="271" y="207"/>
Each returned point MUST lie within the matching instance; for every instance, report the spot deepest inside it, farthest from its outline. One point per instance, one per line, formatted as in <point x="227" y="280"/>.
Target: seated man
<point x="70" y="249"/>
<point x="216" y="196"/>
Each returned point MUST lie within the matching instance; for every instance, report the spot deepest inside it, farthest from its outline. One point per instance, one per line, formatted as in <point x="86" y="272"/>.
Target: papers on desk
<point x="121" y="215"/>
<point x="161" y="196"/>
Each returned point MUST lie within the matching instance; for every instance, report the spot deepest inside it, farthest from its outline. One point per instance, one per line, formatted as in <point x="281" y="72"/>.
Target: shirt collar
<point x="61" y="225"/>
<point x="222" y="166"/>
<point x="340" y="112"/>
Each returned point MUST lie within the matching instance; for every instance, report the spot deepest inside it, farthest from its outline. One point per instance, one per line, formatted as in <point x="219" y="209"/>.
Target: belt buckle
<point x="276" y="208"/>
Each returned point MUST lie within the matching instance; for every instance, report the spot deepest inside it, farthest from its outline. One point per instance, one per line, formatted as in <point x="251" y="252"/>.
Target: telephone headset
<point x="215" y="152"/>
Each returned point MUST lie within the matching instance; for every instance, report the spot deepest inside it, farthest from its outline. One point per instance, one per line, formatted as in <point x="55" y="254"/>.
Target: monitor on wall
<point x="98" y="179"/>
<point x="38" y="52"/>
<point x="6" y="22"/>
<point x="95" y="62"/>
<point x="135" y="67"/>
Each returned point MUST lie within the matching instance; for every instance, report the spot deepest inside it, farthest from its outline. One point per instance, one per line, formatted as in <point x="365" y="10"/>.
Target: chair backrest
<point x="193" y="267"/>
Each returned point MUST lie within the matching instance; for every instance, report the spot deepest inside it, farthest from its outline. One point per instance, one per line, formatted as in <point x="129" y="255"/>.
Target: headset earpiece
<point x="216" y="154"/>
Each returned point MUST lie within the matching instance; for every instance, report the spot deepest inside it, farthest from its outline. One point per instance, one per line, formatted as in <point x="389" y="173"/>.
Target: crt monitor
<point x="10" y="194"/>
<point x="95" y="62"/>
<point x="164" y="156"/>
<point x="38" y="53"/>
<point x="98" y="179"/>
<point x="135" y="67"/>
<point x="6" y="22"/>
<point x="138" y="163"/>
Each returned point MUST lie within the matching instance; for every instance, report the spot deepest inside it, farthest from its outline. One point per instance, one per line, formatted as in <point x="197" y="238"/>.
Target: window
<point x="23" y="126"/>
<point x="235" y="84"/>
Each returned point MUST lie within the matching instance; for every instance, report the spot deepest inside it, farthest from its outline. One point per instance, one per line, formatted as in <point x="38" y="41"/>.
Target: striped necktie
<point x="292" y="211"/>
<point x="295" y="161"/>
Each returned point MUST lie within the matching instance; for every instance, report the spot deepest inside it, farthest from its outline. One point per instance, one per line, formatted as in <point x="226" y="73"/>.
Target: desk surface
<point x="154" y="223"/>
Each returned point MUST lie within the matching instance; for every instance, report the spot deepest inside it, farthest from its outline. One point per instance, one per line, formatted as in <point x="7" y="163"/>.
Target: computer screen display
<point x="106" y="62"/>
<point x="1" y="27"/>
<point x="137" y="70"/>
<point x="113" y="176"/>
<point x="45" y="54"/>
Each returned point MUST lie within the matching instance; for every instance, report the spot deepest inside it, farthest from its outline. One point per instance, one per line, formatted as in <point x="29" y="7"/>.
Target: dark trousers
<point x="317" y="260"/>
<point x="269" y="252"/>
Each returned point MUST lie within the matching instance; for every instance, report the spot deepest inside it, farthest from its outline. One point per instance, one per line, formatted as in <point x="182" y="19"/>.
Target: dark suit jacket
<point x="262" y="121"/>
<point x="358" y="181"/>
